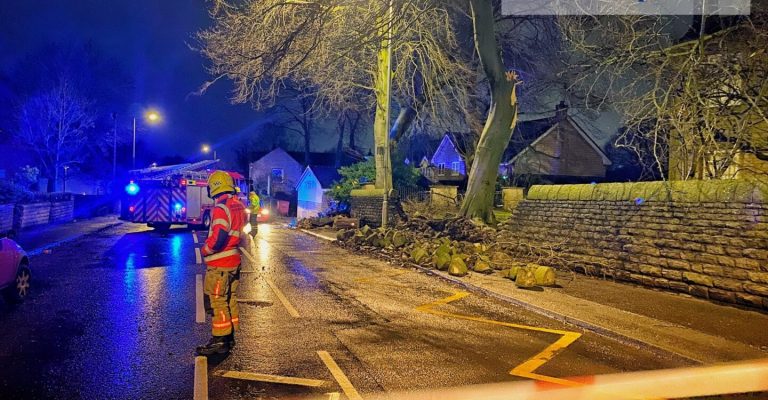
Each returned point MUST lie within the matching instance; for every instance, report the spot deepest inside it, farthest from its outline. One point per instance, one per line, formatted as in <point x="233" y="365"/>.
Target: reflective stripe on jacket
<point x="227" y="221"/>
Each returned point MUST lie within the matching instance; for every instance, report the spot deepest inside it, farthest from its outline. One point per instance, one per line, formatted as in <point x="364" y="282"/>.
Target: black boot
<point x="231" y="339"/>
<point x="217" y="345"/>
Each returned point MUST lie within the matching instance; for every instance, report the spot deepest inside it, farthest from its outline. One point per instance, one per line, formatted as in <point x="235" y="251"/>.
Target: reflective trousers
<point x="221" y="290"/>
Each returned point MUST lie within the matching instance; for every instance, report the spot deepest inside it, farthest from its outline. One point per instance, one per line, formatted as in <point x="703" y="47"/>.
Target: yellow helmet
<point x="220" y="182"/>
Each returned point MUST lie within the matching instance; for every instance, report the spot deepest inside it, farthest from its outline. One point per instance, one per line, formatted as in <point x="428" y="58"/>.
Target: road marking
<point x="248" y="255"/>
<point x="198" y="256"/>
<point x="284" y="380"/>
<point x="201" y="378"/>
<point x="526" y="369"/>
<point x="287" y="304"/>
<point x="195" y="238"/>
<point x="334" y="396"/>
<point x="338" y="374"/>
<point x="317" y="235"/>
<point x="199" y="307"/>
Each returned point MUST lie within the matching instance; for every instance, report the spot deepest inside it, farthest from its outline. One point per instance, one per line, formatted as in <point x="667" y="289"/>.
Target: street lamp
<point x="151" y="117"/>
<point x="207" y="149"/>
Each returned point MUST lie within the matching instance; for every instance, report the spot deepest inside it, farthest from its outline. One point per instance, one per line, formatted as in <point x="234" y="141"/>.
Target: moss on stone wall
<point x="696" y="191"/>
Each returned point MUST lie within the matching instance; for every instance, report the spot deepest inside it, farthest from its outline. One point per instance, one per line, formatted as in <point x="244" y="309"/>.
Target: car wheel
<point x="17" y="292"/>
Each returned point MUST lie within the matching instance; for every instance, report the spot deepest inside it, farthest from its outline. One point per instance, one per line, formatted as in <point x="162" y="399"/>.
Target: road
<point x="113" y="316"/>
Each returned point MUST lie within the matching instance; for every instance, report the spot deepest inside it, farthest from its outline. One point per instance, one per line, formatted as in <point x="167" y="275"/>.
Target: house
<point x="446" y="164"/>
<point x="727" y="137"/>
<point x="313" y="190"/>
<point x="561" y="148"/>
<point x="275" y="172"/>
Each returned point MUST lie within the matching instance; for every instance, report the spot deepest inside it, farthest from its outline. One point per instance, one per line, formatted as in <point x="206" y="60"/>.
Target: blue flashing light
<point x="132" y="189"/>
<point x="177" y="206"/>
<point x="639" y="201"/>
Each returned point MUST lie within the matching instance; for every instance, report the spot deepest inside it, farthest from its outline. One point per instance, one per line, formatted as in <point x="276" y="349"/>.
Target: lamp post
<point x="151" y="117"/>
<point x="385" y="201"/>
<point x="64" y="188"/>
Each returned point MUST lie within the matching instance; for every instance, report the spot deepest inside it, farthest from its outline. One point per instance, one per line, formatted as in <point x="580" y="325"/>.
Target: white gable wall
<point x="310" y="196"/>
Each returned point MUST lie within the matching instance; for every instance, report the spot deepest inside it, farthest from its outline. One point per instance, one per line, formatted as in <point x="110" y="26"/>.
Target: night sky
<point x="150" y="39"/>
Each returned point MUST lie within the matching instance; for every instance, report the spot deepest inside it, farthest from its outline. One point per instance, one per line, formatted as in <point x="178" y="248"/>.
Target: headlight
<point x="265" y="211"/>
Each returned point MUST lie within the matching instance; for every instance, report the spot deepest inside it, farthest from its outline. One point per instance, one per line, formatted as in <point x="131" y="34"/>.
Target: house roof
<point x="447" y="140"/>
<point x="348" y="157"/>
<point x="528" y="133"/>
<point x="325" y="175"/>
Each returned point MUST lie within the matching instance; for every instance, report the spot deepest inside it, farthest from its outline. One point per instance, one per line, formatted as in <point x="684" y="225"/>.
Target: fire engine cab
<point x="173" y="194"/>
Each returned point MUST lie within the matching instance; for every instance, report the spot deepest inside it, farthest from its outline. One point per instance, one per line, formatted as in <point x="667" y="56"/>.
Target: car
<point x="14" y="270"/>
<point x="263" y="215"/>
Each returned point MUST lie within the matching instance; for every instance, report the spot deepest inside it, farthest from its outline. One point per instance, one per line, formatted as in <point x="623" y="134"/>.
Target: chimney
<point x="561" y="111"/>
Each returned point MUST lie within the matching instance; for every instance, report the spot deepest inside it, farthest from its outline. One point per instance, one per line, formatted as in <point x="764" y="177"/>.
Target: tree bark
<point x="380" y="132"/>
<point x="404" y="121"/>
<point x="353" y="128"/>
<point x="340" y="124"/>
<point x="502" y="115"/>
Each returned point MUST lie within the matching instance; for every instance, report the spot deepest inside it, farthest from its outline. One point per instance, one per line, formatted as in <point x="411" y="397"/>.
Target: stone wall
<point x="26" y="215"/>
<point x="6" y="217"/>
<point x="62" y="211"/>
<point x="33" y="214"/>
<point x="366" y="205"/>
<point x="707" y="238"/>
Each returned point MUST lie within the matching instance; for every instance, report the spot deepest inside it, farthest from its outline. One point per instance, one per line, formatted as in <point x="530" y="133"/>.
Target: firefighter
<point x="255" y="207"/>
<point x="222" y="260"/>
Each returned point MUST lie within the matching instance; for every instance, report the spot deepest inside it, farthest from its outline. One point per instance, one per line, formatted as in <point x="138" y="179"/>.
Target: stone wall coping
<point x="693" y="191"/>
<point x="367" y="192"/>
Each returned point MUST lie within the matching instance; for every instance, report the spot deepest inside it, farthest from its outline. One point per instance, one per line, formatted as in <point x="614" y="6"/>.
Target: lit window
<point x="456" y="167"/>
<point x="277" y="174"/>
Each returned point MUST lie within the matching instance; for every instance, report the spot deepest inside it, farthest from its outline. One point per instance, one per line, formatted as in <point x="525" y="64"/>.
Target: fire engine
<point x="174" y="194"/>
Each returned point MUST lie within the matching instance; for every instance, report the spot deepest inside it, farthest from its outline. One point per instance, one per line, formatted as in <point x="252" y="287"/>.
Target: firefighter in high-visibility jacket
<point x="254" y="207"/>
<point x="222" y="260"/>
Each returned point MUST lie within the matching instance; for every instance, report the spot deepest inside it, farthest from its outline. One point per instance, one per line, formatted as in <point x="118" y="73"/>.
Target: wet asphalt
<point x="112" y="316"/>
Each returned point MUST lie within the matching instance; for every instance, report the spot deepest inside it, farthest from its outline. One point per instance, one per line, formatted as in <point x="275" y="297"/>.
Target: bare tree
<point x="297" y="111"/>
<point x="339" y="47"/>
<point x="694" y="99"/>
<point x="502" y="115"/>
<point x="55" y="124"/>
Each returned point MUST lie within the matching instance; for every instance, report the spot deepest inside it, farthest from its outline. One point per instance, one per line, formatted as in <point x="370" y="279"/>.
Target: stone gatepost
<point x="443" y="195"/>
<point x="511" y="196"/>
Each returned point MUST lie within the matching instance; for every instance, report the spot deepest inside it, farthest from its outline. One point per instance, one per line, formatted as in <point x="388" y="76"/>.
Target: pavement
<point x="37" y="239"/>
<point x="688" y="328"/>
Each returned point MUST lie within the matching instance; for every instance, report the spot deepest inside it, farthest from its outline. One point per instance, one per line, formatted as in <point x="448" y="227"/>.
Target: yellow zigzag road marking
<point x="526" y="369"/>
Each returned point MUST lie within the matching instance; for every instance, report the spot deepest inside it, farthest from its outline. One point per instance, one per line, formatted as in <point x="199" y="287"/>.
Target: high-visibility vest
<point x="228" y="215"/>
<point x="255" y="205"/>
